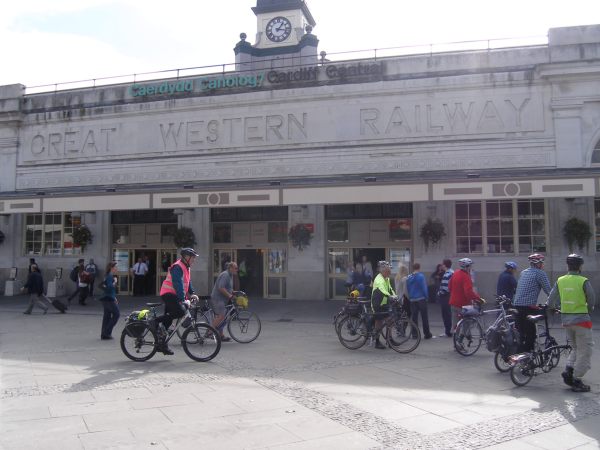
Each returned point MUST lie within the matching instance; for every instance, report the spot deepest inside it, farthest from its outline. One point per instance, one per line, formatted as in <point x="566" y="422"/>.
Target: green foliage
<point x="82" y="236"/>
<point x="184" y="237"/>
<point x="432" y="232"/>
<point x="300" y="236"/>
<point x="577" y="231"/>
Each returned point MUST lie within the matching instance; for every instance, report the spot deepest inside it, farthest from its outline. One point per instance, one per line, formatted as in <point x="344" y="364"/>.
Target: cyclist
<point x="381" y="293"/>
<point x="507" y="283"/>
<point x="461" y="289"/>
<point x="531" y="282"/>
<point x="173" y="292"/>
<point x="221" y="295"/>
<point x="574" y="294"/>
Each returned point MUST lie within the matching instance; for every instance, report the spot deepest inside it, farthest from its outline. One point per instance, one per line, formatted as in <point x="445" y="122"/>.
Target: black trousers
<point x="526" y="328"/>
<point x="174" y="309"/>
<point x="444" y="300"/>
<point x="139" y="282"/>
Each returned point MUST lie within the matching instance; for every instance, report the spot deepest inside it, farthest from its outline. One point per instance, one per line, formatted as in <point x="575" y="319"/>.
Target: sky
<point x="46" y="42"/>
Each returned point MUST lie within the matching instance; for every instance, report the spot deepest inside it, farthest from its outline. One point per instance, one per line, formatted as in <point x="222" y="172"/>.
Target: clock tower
<point x="284" y="37"/>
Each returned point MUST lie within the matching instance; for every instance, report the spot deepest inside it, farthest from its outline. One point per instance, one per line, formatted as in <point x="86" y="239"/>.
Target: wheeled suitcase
<point x="59" y="305"/>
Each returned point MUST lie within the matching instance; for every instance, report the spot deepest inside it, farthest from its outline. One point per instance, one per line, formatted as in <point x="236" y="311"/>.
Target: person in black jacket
<point x="35" y="287"/>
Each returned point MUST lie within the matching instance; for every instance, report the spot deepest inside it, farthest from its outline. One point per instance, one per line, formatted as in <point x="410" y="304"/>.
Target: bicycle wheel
<point x="138" y="342"/>
<point x="554" y="353"/>
<point x="468" y="336"/>
<point x="522" y="372"/>
<point x="201" y="342"/>
<point x="403" y="336"/>
<point x="244" y="327"/>
<point x="352" y="332"/>
<point x="501" y="363"/>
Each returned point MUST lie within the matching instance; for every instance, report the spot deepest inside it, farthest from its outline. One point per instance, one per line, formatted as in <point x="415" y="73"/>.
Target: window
<point x="596" y="154"/>
<point x="500" y="226"/>
<point x="469" y="231"/>
<point x="50" y="234"/>
<point x="597" y="216"/>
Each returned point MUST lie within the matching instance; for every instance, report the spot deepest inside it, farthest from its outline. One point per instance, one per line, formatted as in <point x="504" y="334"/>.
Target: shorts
<point x="218" y="306"/>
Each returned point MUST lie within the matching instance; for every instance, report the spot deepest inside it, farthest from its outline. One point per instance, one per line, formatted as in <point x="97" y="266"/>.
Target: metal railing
<point x="366" y="54"/>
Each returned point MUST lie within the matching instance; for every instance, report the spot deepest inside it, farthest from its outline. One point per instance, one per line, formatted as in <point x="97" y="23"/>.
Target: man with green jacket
<point x="380" y="297"/>
<point x="574" y="295"/>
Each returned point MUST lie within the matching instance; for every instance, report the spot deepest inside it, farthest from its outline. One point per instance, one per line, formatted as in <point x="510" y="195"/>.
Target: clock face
<point x="278" y="29"/>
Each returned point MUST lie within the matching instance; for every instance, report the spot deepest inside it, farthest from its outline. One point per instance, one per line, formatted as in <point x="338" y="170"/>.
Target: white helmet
<point x="465" y="263"/>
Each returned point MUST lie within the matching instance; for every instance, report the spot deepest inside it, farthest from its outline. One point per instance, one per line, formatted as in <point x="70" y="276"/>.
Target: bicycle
<point x="468" y="335"/>
<point x="525" y="365"/>
<point x="243" y="325"/>
<point x="401" y="333"/>
<point x="350" y="308"/>
<point x="140" y="337"/>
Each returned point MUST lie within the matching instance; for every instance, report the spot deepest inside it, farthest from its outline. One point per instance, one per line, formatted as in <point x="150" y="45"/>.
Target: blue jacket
<point x="507" y="284"/>
<point x="416" y="287"/>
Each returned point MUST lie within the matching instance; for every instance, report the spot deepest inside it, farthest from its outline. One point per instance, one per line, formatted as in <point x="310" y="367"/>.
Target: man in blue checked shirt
<point x="531" y="282"/>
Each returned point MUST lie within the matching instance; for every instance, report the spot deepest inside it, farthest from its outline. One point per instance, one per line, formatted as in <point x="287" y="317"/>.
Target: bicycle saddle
<point x="152" y="305"/>
<point x="535" y="318"/>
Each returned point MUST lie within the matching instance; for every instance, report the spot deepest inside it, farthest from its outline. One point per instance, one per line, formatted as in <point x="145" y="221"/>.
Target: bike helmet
<point x="574" y="260"/>
<point x="187" y="251"/>
<point x="465" y="263"/>
<point x="510" y="265"/>
<point x="384" y="265"/>
<point x="536" y="258"/>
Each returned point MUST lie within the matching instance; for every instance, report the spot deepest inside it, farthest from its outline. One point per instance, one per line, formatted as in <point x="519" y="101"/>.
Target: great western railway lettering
<point x="73" y="143"/>
<point x="456" y="117"/>
<point x="277" y="128"/>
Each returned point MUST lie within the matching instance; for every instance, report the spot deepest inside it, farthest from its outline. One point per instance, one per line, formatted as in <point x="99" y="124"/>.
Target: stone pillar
<point x="199" y="221"/>
<point x="306" y="268"/>
<point x="10" y="121"/>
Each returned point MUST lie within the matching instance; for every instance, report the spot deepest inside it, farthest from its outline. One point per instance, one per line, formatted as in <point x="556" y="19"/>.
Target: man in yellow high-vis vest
<point x="574" y="294"/>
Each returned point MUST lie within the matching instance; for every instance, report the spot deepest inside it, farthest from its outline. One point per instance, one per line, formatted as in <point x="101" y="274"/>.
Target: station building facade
<point x="501" y="146"/>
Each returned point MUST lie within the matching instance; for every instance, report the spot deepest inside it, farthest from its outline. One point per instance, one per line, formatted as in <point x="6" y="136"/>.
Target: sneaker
<point x="379" y="345"/>
<point x="579" y="386"/>
<point x="27" y="312"/>
<point x="106" y="338"/>
<point x="429" y="336"/>
<point x="567" y="376"/>
<point x="225" y="339"/>
<point x="164" y="348"/>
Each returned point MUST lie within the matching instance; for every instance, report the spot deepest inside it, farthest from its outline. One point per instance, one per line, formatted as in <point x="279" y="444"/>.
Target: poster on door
<point x="277" y="260"/>
<point x="121" y="257"/>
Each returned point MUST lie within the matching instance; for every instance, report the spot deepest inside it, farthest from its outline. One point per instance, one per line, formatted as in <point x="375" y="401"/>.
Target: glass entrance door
<point x="276" y="273"/>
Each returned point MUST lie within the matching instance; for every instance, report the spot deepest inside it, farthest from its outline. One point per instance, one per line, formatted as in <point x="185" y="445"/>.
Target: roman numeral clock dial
<point x="278" y="29"/>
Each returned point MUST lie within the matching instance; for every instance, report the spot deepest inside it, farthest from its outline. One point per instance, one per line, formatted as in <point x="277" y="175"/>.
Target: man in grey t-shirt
<point x="222" y="293"/>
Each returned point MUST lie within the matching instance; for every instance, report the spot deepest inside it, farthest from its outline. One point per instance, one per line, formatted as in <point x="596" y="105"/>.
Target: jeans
<point x="443" y="300"/>
<point x="111" y="316"/>
<point x="420" y="306"/>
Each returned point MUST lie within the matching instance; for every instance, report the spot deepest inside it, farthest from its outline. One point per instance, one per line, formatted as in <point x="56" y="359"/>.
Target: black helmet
<point x="574" y="260"/>
<point x="187" y="251"/>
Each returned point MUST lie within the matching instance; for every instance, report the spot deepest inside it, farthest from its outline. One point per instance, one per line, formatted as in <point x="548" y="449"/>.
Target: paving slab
<point x="295" y="387"/>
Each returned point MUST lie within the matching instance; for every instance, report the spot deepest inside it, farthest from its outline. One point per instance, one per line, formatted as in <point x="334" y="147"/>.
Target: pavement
<point x="295" y="387"/>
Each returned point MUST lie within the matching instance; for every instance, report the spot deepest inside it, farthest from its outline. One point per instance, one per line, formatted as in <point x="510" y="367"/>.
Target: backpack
<point x="73" y="274"/>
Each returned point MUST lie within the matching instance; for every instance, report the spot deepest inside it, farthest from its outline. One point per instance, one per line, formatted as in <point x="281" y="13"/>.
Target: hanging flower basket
<point x="82" y="236"/>
<point x="300" y="236"/>
<point x="577" y="231"/>
<point x="432" y="232"/>
<point x="184" y="237"/>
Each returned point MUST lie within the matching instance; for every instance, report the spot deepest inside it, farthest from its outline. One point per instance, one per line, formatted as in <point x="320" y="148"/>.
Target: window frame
<point x="516" y="236"/>
<point x="45" y="228"/>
